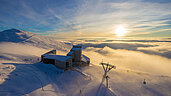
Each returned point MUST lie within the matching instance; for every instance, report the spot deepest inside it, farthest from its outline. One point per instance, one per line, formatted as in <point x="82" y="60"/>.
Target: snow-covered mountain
<point x="21" y="73"/>
<point x="15" y="35"/>
<point x="24" y="37"/>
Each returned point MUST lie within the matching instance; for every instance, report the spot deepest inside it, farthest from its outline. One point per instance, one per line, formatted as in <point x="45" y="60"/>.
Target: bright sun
<point x="120" y="31"/>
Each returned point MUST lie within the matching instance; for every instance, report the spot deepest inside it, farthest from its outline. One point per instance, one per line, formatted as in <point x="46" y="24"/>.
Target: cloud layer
<point x="131" y="60"/>
<point x="154" y="47"/>
<point x="149" y="56"/>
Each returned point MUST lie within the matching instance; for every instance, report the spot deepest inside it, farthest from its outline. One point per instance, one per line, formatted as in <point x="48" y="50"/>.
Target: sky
<point x="88" y="18"/>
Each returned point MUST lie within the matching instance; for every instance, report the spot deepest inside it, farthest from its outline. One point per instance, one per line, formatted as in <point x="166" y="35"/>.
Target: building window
<point x="73" y="60"/>
<point x="67" y="64"/>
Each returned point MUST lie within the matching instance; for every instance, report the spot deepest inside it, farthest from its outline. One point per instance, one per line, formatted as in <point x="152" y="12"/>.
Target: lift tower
<point x="107" y="67"/>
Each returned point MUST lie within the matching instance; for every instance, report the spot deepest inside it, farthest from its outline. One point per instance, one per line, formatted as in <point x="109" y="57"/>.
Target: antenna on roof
<point x="107" y="67"/>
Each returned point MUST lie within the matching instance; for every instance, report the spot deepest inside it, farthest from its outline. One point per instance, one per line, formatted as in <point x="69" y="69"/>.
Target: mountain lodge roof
<point x="58" y="57"/>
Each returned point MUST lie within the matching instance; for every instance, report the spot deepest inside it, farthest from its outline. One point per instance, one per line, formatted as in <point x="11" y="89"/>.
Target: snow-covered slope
<point x="15" y="35"/>
<point x="21" y="73"/>
<point x="28" y="38"/>
<point x="38" y="79"/>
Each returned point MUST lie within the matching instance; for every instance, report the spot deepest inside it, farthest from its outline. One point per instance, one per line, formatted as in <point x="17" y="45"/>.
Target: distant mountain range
<point x="20" y="36"/>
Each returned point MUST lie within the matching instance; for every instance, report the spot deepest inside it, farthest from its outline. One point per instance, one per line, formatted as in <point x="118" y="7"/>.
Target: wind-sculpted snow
<point x="37" y="79"/>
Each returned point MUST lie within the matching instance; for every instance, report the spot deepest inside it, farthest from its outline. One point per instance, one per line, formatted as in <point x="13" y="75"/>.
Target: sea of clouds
<point x="149" y="56"/>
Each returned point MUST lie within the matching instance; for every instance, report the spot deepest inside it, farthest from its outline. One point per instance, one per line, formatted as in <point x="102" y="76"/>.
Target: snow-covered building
<point x="59" y="61"/>
<point x="73" y="58"/>
<point x="78" y="59"/>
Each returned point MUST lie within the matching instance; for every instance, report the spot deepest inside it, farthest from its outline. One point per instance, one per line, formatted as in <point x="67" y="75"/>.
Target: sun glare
<point x="120" y="31"/>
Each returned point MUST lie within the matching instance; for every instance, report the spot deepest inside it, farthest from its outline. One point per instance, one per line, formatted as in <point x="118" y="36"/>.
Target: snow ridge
<point x="28" y="38"/>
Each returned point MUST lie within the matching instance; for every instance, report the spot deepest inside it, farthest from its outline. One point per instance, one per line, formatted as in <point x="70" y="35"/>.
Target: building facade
<point x="73" y="58"/>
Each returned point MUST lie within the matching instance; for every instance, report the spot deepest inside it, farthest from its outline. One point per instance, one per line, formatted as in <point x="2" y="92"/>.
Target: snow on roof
<point x="45" y="54"/>
<point x="71" y="52"/>
<point x="58" y="57"/>
<point x="85" y="58"/>
<point x="50" y="52"/>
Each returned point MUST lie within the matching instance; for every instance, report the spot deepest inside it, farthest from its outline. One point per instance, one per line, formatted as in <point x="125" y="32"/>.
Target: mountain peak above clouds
<point x="14" y="35"/>
<point x="12" y="30"/>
